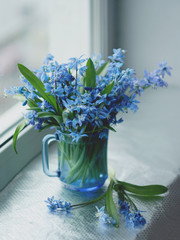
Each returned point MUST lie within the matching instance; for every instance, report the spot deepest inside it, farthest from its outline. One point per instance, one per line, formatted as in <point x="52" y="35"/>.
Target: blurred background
<point x="30" y="29"/>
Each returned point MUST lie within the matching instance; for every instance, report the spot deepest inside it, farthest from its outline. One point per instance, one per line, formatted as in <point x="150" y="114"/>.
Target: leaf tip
<point x="116" y="225"/>
<point x="14" y="146"/>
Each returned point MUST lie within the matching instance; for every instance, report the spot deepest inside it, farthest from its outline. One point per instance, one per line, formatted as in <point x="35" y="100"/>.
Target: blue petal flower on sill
<point x="135" y="219"/>
<point x="104" y="217"/>
<point x="55" y="205"/>
<point x="51" y="204"/>
<point x="132" y="218"/>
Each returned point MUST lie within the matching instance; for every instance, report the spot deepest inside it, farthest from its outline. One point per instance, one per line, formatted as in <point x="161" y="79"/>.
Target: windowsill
<point x="9" y="121"/>
<point x="28" y="146"/>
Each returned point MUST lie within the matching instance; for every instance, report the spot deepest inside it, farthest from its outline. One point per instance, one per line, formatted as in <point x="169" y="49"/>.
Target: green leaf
<point x="108" y="127"/>
<point x="37" y="84"/>
<point x="31" y="103"/>
<point x="50" y="114"/>
<point x="110" y="206"/>
<point x="90" y="78"/>
<point x="37" y="109"/>
<point x="19" y="128"/>
<point x="37" y="93"/>
<point x="103" y="69"/>
<point x="90" y="202"/>
<point x="37" y="100"/>
<point x="108" y="88"/>
<point x="45" y="114"/>
<point x="149" y="190"/>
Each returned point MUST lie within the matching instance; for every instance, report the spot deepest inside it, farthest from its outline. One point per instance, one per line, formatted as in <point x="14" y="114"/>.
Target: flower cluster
<point x="83" y="95"/>
<point x="54" y="205"/>
<point x="133" y="217"/>
<point x="108" y="214"/>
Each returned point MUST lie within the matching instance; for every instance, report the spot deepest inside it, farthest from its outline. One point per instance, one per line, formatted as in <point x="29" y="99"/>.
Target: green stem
<point x="130" y="201"/>
<point x="90" y="202"/>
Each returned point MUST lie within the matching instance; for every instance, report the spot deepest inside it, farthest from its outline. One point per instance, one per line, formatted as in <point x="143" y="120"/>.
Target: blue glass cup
<point x="82" y="165"/>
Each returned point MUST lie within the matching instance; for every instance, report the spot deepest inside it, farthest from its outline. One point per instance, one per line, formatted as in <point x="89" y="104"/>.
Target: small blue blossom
<point x="51" y="204"/>
<point x="55" y="205"/>
<point x="77" y="135"/>
<point x="49" y="58"/>
<point x="97" y="60"/>
<point x="118" y="55"/>
<point x="103" y="134"/>
<point x="133" y="218"/>
<point x="82" y="71"/>
<point x="11" y="91"/>
<point x="124" y="207"/>
<point x="104" y="217"/>
<point x="31" y="116"/>
<point x="164" y="69"/>
<point x="48" y="87"/>
<point x="20" y="90"/>
<point x="75" y="62"/>
<point x="24" y="103"/>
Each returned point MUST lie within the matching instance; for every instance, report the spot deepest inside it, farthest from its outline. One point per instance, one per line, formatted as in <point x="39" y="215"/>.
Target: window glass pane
<point x="30" y="29"/>
<point x="23" y="38"/>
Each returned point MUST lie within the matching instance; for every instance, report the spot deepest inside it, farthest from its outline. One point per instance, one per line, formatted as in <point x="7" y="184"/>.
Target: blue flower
<point x="124" y="207"/>
<point x="98" y="62"/>
<point x="51" y="204"/>
<point x="48" y="87"/>
<point x="20" y="90"/>
<point x="104" y="217"/>
<point x="77" y="135"/>
<point x="164" y="69"/>
<point x="133" y="218"/>
<point x="118" y="55"/>
<point x="103" y="134"/>
<point x="24" y="103"/>
<point x="75" y="62"/>
<point x="82" y="70"/>
<point x="44" y="75"/>
<point x="59" y="91"/>
<point x="55" y="205"/>
<point x="11" y="91"/>
<point x="31" y="116"/>
<point x="49" y="58"/>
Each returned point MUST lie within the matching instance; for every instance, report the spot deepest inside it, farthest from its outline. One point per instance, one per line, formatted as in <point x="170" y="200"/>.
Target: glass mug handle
<point x="45" y="159"/>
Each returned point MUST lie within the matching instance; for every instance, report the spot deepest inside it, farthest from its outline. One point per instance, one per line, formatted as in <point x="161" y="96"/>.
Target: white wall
<point x="150" y="31"/>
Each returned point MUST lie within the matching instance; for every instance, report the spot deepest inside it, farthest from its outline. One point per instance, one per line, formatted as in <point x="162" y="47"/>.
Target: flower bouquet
<point x="81" y="99"/>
